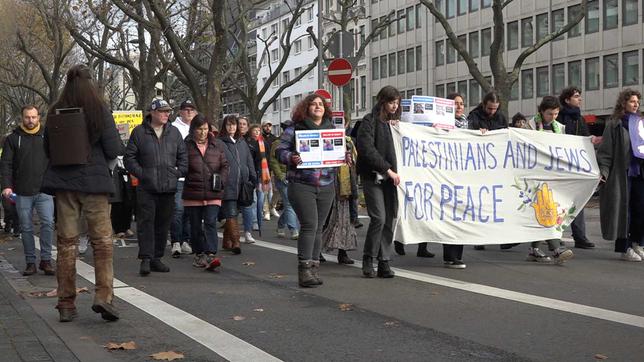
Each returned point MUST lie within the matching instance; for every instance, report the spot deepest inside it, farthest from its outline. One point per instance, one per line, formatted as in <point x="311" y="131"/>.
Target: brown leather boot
<point x="226" y="243"/>
<point x="46" y="267"/>
<point x="234" y="236"/>
<point x="30" y="269"/>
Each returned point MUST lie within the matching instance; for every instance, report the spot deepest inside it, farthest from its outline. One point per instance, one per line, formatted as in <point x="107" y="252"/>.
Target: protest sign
<point x="126" y="121"/>
<point x="338" y="119"/>
<point x="428" y="111"/>
<point x="506" y="186"/>
<point x="321" y="148"/>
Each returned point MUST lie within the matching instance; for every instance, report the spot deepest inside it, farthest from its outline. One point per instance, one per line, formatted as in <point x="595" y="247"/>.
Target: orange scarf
<point x="266" y="175"/>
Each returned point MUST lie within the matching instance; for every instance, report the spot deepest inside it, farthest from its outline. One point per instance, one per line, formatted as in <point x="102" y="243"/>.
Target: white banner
<point x="507" y="186"/>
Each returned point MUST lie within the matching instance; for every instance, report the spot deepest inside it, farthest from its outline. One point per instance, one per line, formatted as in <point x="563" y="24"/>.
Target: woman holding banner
<point x="621" y="163"/>
<point x="311" y="190"/>
<point x="377" y="168"/>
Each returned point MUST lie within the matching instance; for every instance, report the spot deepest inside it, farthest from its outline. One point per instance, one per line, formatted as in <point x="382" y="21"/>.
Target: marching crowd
<point x="187" y="176"/>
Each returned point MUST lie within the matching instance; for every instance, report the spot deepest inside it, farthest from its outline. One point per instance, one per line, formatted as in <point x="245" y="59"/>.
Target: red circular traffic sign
<point x="326" y="96"/>
<point x="339" y="72"/>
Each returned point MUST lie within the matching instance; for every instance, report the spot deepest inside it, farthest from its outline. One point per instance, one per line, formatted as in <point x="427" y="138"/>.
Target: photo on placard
<point x="304" y="146"/>
<point x="429" y="106"/>
<point x="328" y="145"/>
<point x="418" y="108"/>
<point x="314" y="143"/>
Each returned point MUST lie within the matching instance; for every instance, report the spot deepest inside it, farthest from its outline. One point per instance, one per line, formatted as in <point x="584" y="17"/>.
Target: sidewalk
<point x="24" y="336"/>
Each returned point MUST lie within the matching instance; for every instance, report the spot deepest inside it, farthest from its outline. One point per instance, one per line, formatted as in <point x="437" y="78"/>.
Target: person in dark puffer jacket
<point x="205" y="159"/>
<point x="311" y="190"/>
<point x="156" y="155"/>
<point x="84" y="189"/>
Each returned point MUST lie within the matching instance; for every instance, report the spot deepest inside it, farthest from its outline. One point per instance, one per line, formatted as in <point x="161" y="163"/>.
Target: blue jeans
<point x="44" y="205"/>
<point x="288" y="217"/>
<point x="204" y="239"/>
<point x="180" y="227"/>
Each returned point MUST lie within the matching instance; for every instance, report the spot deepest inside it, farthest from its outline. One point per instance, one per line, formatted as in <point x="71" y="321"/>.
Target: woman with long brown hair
<point x="311" y="190"/>
<point x="621" y="162"/>
<point x="84" y="189"/>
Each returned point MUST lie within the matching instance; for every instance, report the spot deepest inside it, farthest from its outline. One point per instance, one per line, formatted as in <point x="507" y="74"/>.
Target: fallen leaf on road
<point x="248" y="263"/>
<point x="85" y="338"/>
<point x="391" y="324"/>
<point x="125" y="345"/>
<point x="258" y="310"/>
<point x="167" y="356"/>
<point x="276" y="275"/>
<point x="345" y="307"/>
<point x="11" y="249"/>
<point x="81" y="290"/>
<point x="600" y="356"/>
<point x="239" y="318"/>
<point x="54" y="292"/>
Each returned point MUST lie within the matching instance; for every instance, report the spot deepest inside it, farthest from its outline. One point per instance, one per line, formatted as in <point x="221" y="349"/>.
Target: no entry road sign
<point x="340" y="71"/>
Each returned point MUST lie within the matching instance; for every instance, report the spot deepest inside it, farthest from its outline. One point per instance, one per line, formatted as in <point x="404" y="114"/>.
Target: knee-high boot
<point x="226" y="243"/>
<point x="66" y="274"/>
<point x="234" y="235"/>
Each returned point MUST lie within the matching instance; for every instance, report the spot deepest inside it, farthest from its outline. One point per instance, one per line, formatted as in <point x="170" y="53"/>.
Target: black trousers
<point x="452" y="252"/>
<point x="635" y="216"/>
<point x="153" y="217"/>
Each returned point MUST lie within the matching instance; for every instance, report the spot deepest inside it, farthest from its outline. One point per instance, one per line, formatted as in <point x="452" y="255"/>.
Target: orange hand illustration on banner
<point x="545" y="208"/>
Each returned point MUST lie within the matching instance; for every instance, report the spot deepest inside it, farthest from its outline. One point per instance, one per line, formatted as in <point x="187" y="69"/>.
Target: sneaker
<point x="456" y="264"/>
<point x="213" y="262"/>
<point x="281" y="233"/>
<point x="255" y="226"/>
<point x="631" y="255"/>
<point x="537" y="255"/>
<point x="275" y="213"/>
<point x="638" y="250"/>
<point x="185" y="248"/>
<point x="176" y="250"/>
<point x="357" y="224"/>
<point x="267" y="216"/>
<point x="200" y="261"/>
<point x="82" y="244"/>
<point x="295" y="235"/>
<point x="562" y="254"/>
<point x="119" y="235"/>
<point x="129" y="233"/>
<point x="249" y="238"/>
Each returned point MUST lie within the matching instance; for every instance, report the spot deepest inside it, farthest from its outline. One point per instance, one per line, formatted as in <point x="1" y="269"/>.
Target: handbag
<point x="68" y="141"/>
<point x="246" y="194"/>
<point x="216" y="183"/>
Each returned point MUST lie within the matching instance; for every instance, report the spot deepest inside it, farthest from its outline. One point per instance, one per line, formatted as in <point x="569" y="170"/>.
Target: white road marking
<point x="569" y="307"/>
<point x="215" y="339"/>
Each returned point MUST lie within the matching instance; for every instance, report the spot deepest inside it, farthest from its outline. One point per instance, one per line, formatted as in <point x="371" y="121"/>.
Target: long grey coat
<point x="614" y="157"/>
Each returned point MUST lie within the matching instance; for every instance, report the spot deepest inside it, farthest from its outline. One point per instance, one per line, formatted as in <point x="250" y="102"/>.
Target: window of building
<point x="274" y="56"/>
<point x="285" y="24"/>
<point x="286" y="76"/>
<point x="383" y="33"/>
<point x="450" y="88"/>
<point x="450" y="8"/>
<point x="513" y="35"/>
<point x="418" y="16"/>
<point x="462" y="40"/>
<point x="462" y="89"/>
<point x="439" y="6"/>
<point x="298" y="21"/>
<point x="440" y="90"/>
<point x="573" y="11"/>
<point x="363" y="92"/>
<point x="298" y="46"/>
<point x="286" y="103"/>
<point x="419" y="91"/>
<point x="309" y="15"/>
<point x="486" y="4"/>
<point x="558" y="78"/>
<point x="363" y="35"/>
<point x="375" y="68"/>
<point x="419" y="57"/>
<point x="514" y="91"/>
<point x="486" y="41"/>
<point x="574" y="73"/>
<point x="630" y="68"/>
<point x="474" y="5"/>
<point x="542" y="82"/>
<point x="630" y="12"/>
<point x="592" y="73"/>
<point x="276" y="105"/>
<point x="374" y="25"/>
<point x="611" y="71"/>
<point x="527" y="33"/>
<point x="383" y="67"/>
<point x="462" y="7"/>
<point x="610" y="14"/>
<point x="558" y="22"/>
<point x="451" y="52"/>
<point x="410" y="93"/>
<point x="401" y="62"/>
<point x="264" y="79"/>
<point x="297" y="98"/>
<point x="592" y="17"/>
<point x="401" y="21"/>
<point x="274" y="29"/>
<point x="474" y="44"/>
<point x="542" y="26"/>
<point x="410" y="17"/>
<point x="392" y="64"/>
<point x="440" y="53"/>
<point x="475" y="93"/>
<point x="391" y="29"/>
<point x="411" y="56"/>
<point x="527" y="84"/>
<point x="297" y="71"/>
<point x="264" y="33"/>
<point x="309" y="40"/>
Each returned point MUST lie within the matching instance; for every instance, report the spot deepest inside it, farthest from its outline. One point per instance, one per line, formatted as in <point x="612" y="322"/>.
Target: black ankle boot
<point x="399" y="247"/>
<point x="305" y="276"/>
<point x="423" y="252"/>
<point x="383" y="269"/>
<point x="367" y="267"/>
<point x="343" y="258"/>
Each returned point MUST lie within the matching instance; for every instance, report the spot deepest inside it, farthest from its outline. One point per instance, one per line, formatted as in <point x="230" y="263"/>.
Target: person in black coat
<point x="85" y="189"/>
<point x="486" y="116"/>
<point x="156" y="155"/>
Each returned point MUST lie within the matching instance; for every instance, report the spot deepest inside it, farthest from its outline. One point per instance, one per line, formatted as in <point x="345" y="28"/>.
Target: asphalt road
<point x="500" y="308"/>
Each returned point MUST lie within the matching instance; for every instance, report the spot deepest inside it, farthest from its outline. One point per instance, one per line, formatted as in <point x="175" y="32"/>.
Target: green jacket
<point x="277" y="168"/>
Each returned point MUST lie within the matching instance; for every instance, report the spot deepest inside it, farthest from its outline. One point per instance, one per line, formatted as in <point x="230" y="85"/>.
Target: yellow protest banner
<point x="126" y="121"/>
